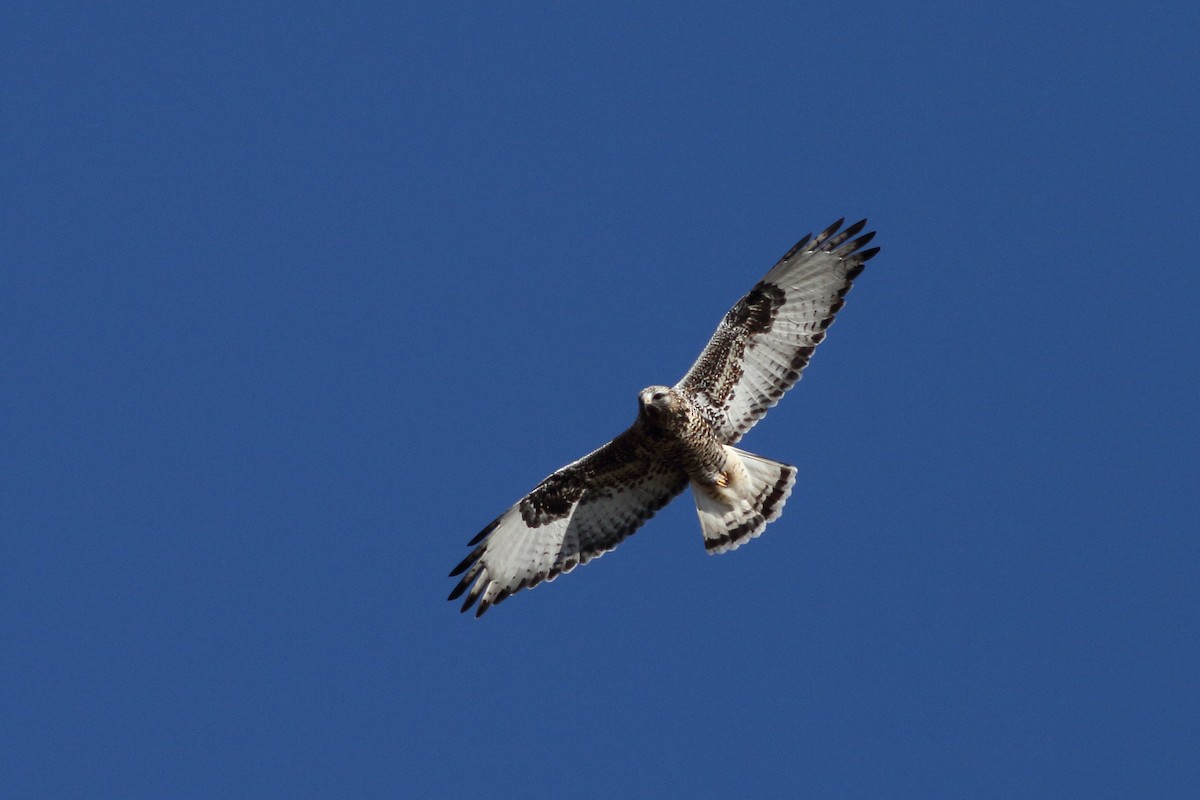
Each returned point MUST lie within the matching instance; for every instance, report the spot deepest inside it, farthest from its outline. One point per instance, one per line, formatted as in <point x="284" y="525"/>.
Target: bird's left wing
<point x="764" y="342"/>
<point x="580" y="512"/>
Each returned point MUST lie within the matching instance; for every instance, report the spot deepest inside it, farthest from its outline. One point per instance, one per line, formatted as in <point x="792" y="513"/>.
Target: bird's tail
<point x="739" y="508"/>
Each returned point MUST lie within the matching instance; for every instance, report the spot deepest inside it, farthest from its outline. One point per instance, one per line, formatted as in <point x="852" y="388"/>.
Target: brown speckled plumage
<point x="681" y="434"/>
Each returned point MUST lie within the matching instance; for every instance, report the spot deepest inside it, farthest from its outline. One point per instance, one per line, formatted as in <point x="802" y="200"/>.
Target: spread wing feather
<point x="765" y="341"/>
<point x="579" y="513"/>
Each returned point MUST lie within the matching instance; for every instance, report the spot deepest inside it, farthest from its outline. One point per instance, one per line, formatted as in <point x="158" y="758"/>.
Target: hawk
<point x="684" y="435"/>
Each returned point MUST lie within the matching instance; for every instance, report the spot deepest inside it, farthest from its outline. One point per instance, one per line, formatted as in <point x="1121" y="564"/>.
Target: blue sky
<point x="295" y="298"/>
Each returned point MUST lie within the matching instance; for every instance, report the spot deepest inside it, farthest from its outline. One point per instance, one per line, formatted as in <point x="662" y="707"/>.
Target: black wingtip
<point x="836" y="241"/>
<point x="855" y="228"/>
<point x="797" y="247"/>
<point x="867" y="255"/>
<point x="860" y="241"/>
<point x="825" y="234"/>
<point x="470" y="601"/>
<point x="471" y="558"/>
<point x="479" y="537"/>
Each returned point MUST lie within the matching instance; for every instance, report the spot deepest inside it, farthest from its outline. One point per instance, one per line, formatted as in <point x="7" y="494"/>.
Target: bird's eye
<point x="658" y="396"/>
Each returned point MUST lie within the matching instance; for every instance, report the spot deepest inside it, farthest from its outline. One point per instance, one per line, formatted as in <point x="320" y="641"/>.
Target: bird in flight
<point x="684" y="435"/>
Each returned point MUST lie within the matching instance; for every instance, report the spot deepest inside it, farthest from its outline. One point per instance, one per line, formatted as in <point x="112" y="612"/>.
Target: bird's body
<point x="677" y="431"/>
<point x="683" y="434"/>
<point x="723" y="478"/>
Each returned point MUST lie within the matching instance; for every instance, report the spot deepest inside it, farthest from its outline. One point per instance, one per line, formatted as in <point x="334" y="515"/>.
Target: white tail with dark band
<point x="753" y="495"/>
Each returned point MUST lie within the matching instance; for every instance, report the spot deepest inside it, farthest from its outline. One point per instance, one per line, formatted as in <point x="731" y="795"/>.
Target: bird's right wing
<point x="765" y="341"/>
<point x="580" y="512"/>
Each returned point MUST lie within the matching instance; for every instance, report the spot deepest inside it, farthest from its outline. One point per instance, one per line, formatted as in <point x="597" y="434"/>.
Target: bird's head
<point x="656" y="401"/>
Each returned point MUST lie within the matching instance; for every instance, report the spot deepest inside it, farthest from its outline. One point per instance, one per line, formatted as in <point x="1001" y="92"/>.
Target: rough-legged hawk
<point x="683" y="435"/>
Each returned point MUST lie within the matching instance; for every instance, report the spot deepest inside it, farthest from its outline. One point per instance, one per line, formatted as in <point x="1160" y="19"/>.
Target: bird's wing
<point x="767" y="338"/>
<point x="580" y="512"/>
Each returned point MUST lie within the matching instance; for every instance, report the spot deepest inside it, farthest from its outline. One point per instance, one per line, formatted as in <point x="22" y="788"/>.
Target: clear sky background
<point x="295" y="298"/>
